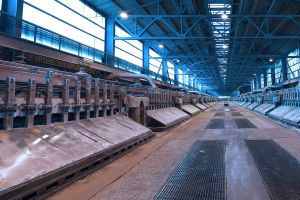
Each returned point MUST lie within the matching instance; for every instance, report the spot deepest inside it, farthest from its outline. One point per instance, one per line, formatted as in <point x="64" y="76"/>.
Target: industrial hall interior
<point x="149" y="99"/>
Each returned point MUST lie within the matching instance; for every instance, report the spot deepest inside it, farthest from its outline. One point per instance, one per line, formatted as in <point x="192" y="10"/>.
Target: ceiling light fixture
<point x="124" y="15"/>
<point x="177" y="60"/>
<point x="161" y="46"/>
<point x="271" y="60"/>
<point x="224" y="16"/>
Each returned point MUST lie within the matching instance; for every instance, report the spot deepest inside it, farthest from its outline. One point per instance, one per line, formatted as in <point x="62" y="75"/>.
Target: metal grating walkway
<point x="220" y="114"/>
<point x="279" y="170"/>
<point x="200" y="175"/>
<point x="236" y="114"/>
<point x="216" y="124"/>
<point x="244" y="123"/>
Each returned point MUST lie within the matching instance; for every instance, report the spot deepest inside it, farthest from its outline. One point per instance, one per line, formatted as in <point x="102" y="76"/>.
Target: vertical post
<point x="104" y="99"/>
<point x="146" y="58"/>
<point x="48" y="97"/>
<point x="176" y="75"/>
<point x="111" y="97"/>
<point x="265" y="79"/>
<point x="9" y="102"/>
<point x="30" y="103"/>
<point x="257" y="80"/>
<point x="65" y="99"/>
<point x="273" y="75"/>
<point x="284" y="69"/>
<point x="77" y="100"/>
<point x="96" y="108"/>
<point x="13" y="8"/>
<point x="88" y="98"/>
<point x="164" y="70"/>
<point x="109" y="40"/>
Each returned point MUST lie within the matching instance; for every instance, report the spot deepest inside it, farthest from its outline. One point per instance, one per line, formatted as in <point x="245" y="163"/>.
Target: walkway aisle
<point x="142" y="173"/>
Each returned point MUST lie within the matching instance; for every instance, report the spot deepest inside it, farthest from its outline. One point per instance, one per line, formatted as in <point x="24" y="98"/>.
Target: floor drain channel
<point x="279" y="170"/>
<point x="200" y="175"/>
<point x="215" y="124"/>
<point x="244" y="123"/>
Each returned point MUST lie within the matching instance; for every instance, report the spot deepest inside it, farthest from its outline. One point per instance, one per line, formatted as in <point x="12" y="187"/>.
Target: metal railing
<point x="12" y="26"/>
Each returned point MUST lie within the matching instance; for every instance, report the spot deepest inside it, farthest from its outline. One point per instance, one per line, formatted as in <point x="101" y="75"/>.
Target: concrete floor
<point x="141" y="173"/>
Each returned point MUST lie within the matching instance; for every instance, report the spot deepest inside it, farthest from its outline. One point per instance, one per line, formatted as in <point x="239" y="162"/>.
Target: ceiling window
<point x="128" y="50"/>
<point x="221" y="29"/>
<point x="74" y="21"/>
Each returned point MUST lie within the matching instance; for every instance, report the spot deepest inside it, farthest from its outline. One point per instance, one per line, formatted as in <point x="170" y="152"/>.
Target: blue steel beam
<point x="109" y="41"/>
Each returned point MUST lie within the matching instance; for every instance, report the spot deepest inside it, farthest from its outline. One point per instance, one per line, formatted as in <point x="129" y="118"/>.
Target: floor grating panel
<point x="221" y="114"/>
<point x="236" y="114"/>
<point x="200" y="175"/>
<point x="244" y="123"/>
<point x="216" y="124"/>
<point x="279" y="170"/>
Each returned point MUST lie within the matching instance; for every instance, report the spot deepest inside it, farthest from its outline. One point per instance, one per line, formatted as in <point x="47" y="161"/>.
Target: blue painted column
<point x="284" y="69"/>
<point x="258" y="85"/>
<point x="176" y="75"/>
<point x="164" y="70"/>
<point x="273" y="75"/>
<point x="146" y="58"/>
<point x="109" y="49"/>
<point x="190" y="82"/>
<point x="13" y="8"/>
<point x="265" y="79"/>
<point x="194" y="83"/>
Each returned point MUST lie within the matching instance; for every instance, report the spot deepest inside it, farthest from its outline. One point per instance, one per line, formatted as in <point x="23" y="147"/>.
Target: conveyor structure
<point x="59" y="126"/>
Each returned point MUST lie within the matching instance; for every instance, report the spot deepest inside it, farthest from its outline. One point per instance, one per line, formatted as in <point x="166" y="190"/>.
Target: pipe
<point x="128" y="75"/>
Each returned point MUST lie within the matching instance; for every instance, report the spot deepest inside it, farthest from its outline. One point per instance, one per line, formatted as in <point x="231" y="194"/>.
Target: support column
<point x="48" y="97"/>
<point x="164" y="70"/>
<point x="104" y="100"/>
<point x="176" y="75"/>
<point x="9" y="103"/>
<point x="284" y="69"/>
<point x="97" y="81"/>
<point x="29" y="120"/>
<point x="109" y="41"/>
<point x="265" y="79"/>
<point x="13" y="8"/>
<point x="111" y="98"/>
<point x="258" y="83"/>
<point x="146" y="58"/>
<point x="65" y="99"/>
<point x="77" y="100"/>
<point x="273" y="75"/>
<point x="88" y="98"/>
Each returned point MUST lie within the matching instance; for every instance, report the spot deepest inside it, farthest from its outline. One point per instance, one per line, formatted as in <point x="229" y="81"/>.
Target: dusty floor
<point x="141" y="173"/>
